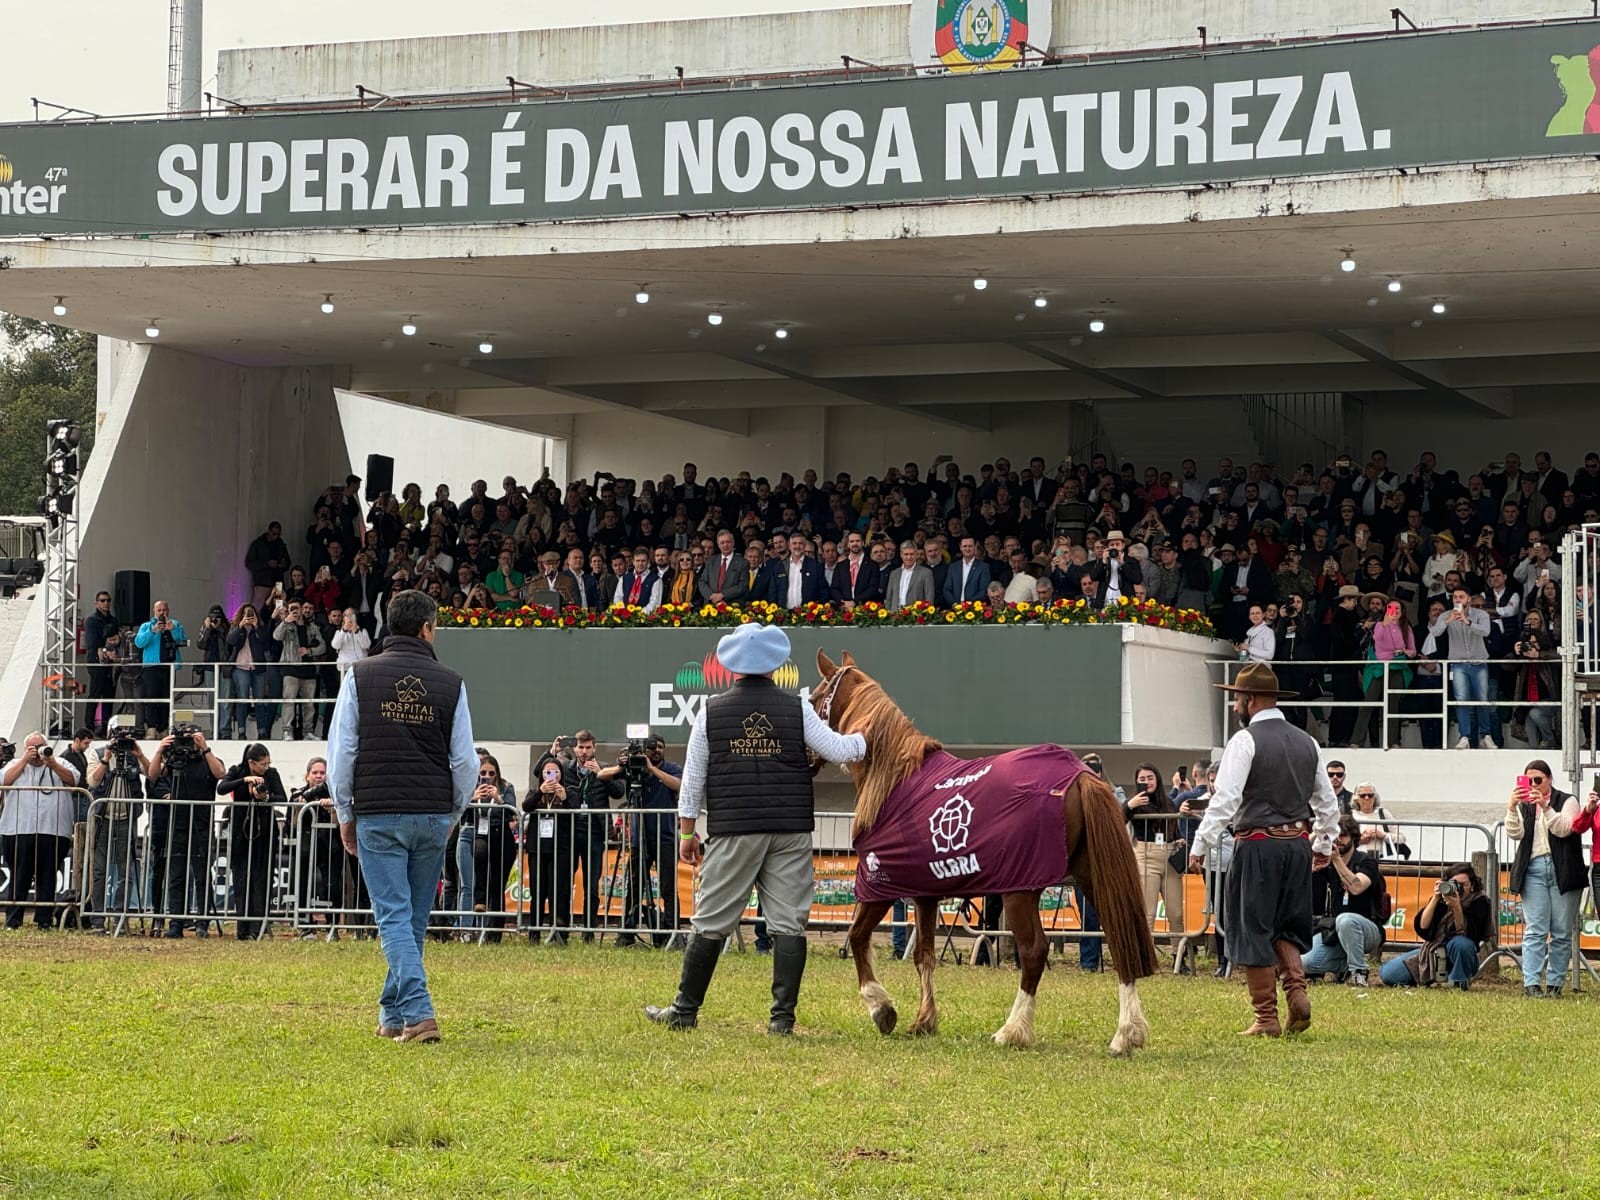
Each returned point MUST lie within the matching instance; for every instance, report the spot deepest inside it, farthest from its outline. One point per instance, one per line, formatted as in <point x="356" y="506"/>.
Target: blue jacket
<point x="977" y="582"/>
<point x="149" y="642"/>
<point x="812" y="589"/>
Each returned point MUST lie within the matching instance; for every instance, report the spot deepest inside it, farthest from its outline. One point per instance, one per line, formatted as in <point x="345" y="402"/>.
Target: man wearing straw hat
<point x="747" y="765"/>
<point x="1271" y="789"/>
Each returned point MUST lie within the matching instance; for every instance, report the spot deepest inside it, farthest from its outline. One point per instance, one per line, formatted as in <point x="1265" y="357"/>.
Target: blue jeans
<point x="402" y="855"/>
<point x="466" y="874"/>
<point x="1470" y="681"/>
<point x="247" y="684"/>
<point x="1460" y="952"/>
<point x="1547" y="919"/>
<point x="1088" y="948"/>
<point x="1355" y="938"/>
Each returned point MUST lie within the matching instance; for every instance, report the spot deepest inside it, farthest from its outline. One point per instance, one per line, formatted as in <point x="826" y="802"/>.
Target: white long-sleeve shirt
<point x="1261" y="643"/>
<point x="1232" y="774"/>
<point x="820" y="739"/>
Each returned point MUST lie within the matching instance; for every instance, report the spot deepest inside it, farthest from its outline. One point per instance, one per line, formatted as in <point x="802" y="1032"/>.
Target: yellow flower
<point x="474" y="620"/>
<point x="538" y="620"/>
<point x="519" y="622"/>
<point x="970" y="615"/>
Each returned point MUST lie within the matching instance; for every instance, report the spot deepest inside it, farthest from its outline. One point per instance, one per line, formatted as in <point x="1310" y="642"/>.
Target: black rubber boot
<point x="699" y="961"/>
<point x="788" y="965"/>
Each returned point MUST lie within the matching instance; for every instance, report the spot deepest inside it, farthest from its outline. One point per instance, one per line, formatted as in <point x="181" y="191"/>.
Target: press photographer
<point x="300" y="645"/>
<point x="116" y="776"/>
<point x="1456" y="920"/>
<point x="590" y="798"/>
<point x="184" y="773"/>
<point x="652" y="790"/>
<point x="1349" y="894"/>
<point x="36" y="827"/>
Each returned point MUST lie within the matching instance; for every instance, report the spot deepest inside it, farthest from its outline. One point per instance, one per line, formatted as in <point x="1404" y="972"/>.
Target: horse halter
<point x="825" y="710"/>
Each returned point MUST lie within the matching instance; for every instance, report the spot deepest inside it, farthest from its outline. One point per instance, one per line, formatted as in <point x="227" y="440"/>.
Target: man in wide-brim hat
<point x="747" y="766"/>
<point x="1271" y="788"/>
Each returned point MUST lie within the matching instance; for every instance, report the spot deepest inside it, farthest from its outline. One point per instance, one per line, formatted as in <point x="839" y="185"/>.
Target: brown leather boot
<point x="1263" y="987"/>
<point x="1293" y="977"/>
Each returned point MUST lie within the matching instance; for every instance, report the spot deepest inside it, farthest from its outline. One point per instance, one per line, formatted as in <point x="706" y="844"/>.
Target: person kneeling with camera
<point x="1350" y="925"/>
<point x="1455" y="921"/>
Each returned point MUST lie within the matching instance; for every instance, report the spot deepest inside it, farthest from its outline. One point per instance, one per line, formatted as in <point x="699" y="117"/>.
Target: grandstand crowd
<point x="1354" y="578"/>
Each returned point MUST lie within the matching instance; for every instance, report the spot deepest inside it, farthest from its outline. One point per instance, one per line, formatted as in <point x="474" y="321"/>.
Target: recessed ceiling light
<point x="1438" y="308"/>
<point x="486" y="347"/>
<point x="152" y="330"/>
<point x="327" y="303"/>
<point x="713" y="318"/>
<point x="1040" y="302"/>
<point x="642" y="296"/>
<point x="1394" y="285"/>
<point x="410" y="327"/>
<point x="1097" y="326"/>
<point x="780" y="332"/>
<point x="980" y="283"/>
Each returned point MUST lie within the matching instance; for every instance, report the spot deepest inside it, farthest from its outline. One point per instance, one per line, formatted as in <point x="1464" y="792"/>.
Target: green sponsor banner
<point x="992" y="686"/>
<point x="1353" y="105"/>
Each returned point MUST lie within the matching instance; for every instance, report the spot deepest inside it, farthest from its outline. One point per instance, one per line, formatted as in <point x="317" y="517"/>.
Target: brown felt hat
<point x="1257" y="679"/>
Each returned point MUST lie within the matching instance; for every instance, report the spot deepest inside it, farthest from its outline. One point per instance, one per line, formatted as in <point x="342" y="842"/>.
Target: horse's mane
<point x="895" y="747"/>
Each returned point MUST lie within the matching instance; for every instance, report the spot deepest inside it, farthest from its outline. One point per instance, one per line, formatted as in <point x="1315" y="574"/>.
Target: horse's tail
<point x="1117" y="895"/>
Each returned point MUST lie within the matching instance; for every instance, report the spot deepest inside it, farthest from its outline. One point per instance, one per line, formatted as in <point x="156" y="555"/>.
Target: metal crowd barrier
<point x="41" y="853"/>
<point x="1392" y="705"/>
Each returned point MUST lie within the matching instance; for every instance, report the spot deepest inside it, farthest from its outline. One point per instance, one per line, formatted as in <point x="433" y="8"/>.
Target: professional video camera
<point x="123" y="739"/>
<point x="635" y="760"/>
<point x="184" y="748"/>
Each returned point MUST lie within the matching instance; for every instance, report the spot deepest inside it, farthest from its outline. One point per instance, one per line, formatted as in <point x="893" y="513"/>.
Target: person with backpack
<point x="1352" y="900"/>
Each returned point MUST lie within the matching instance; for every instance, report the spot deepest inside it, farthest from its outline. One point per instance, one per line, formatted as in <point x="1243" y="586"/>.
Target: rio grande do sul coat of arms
<point x="977" y="35"/>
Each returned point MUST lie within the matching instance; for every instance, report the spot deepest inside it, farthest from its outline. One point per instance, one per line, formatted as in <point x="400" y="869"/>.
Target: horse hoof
<point x="1120" y="1048"/>
<point x="885" y="1019"/>
<point x="924" y="1029"/>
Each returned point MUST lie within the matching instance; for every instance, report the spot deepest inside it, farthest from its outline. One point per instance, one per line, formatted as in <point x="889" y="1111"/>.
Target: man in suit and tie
<point x="968" y="577"/>
<point x="858" y="580"/>
<point x="725" y="577"/>
<point x="759" y="573"/>
<point x="639" y="587"/>
<point x="797" y="580"/>
<point x="910" y="582"/>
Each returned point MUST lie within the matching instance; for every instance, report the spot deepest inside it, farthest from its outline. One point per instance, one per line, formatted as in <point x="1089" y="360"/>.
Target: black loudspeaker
<point x="130" y="596"/>
<point x="380" y="475"/>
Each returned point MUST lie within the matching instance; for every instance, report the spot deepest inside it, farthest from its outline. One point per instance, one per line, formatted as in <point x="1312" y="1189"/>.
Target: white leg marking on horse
<point x="1018" y="1029"/>
<point x="1132" y="1029"/>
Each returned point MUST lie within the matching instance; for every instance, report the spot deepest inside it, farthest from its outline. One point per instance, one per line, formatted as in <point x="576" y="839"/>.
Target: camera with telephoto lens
<point x="1449" y="887"/>
<point x="315" y="794"/>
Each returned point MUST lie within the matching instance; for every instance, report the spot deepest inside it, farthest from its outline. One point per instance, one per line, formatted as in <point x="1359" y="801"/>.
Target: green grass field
<point x="141" y="1069"/>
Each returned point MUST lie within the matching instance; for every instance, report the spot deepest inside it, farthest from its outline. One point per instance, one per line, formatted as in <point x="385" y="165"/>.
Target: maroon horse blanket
<point x="970" y="826"/>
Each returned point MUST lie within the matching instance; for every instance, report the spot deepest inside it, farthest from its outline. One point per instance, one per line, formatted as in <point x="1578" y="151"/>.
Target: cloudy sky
<point x="110" y="56"/>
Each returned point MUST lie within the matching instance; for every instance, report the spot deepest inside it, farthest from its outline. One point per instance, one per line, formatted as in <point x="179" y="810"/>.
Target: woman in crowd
<point x="1149" y="813"/>
<point x="295" y="586"/>
<point x="1455" y="921"/>
<point x="1445" y="558"/>
<point x="251" y="821"/>
<point x="1380" y="837"/>
<point x="1588" y="821"/>
<point x="324" y="591"/>
<point x="1392" y="648"/>
<point x="250" y="650"/>
<point x="350" y="642"/>
<point x="319" y="856"/>
<point x="1538" y="683"/>
<point x="1405" y="568"/>
<point x="1549" y="873"/>
<point x="487" y="847"/>
<point x="1547" y="603"/>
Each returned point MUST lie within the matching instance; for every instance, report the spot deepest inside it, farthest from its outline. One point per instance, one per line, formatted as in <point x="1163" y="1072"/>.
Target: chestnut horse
<point x="1098" y="851"/>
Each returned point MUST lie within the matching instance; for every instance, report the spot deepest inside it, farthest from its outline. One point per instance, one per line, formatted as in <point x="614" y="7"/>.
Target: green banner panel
<point x="1182" y="120"/>
<point x="966" y="687"/>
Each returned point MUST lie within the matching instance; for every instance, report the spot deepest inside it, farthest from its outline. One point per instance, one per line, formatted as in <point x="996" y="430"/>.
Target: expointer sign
<point x="1185" y="120"/>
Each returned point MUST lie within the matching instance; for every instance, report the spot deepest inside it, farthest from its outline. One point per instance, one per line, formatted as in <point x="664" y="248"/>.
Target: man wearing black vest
<point x="747" y="762"/>
<point x="1272" y="790"/>
<point x="401" y="769"/>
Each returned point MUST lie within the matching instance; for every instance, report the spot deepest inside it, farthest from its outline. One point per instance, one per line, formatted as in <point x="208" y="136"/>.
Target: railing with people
<point x="261" y="704"/>
<point x="1366" y="702"/>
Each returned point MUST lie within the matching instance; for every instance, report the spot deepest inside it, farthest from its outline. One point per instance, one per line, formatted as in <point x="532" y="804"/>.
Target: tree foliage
<point x="46" y="372"/>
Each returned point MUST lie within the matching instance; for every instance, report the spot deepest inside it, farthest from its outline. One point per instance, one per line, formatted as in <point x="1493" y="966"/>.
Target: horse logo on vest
<point x="406" y="707"/>
<point x="757" y="741"/>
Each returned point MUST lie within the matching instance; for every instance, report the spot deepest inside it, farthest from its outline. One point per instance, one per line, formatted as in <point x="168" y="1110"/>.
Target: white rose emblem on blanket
<point x="950" y="824"/>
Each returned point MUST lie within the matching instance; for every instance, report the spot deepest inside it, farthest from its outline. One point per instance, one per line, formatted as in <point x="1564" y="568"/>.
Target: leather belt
<point x="1296" y="829"/>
